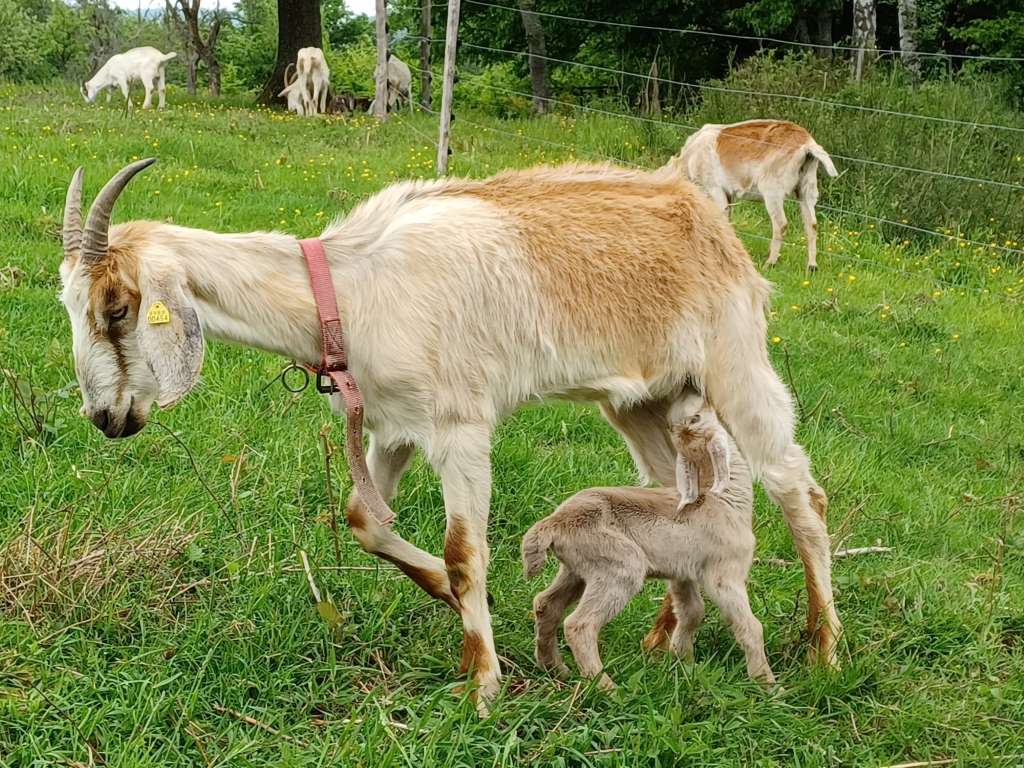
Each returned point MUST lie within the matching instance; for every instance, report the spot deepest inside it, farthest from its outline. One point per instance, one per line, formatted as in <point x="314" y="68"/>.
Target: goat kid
<point x="462" y="299"/>
<point x="145" y="64"/>
<point x="767" y="160"/>
<point x="609" y="540"/>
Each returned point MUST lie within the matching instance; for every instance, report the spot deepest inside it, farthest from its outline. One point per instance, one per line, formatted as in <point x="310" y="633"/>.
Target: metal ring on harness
<point x="296" y="385"/>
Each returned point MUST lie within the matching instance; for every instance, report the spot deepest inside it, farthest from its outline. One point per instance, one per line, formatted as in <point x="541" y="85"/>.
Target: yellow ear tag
<point x="158" y="314"/>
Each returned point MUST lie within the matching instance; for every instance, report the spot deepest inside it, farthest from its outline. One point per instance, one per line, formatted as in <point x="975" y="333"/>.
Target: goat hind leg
<point x="603" y="599"/>
<point x="548" y="610"/>
<point x="689" y="610"/>
<point x="757" y="409"/>
<point x="777" y="213"/>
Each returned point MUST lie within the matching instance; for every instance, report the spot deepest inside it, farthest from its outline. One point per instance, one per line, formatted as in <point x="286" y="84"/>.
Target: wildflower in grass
<point x="805" y="283"/>
<point x="776" y="339"/>
<point x="955" y="336"/>
<point x="903" y="344"/>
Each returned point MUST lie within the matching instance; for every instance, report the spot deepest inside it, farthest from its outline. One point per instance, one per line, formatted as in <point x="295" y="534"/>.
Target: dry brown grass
<point x="68" y="573"/>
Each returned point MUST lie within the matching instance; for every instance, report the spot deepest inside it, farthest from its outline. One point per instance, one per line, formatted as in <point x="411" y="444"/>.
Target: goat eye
<point x="695" y="419"/>
<point x="119" y="314"/>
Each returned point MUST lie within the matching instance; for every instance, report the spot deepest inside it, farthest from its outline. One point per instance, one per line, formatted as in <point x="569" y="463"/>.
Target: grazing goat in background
<point x="146" y="65"/>
<point x="609" y="540"/>
<point x="767" y="160"/>
<point x="307" y="91"/>
<point x="462" y="299"/>
<point x="399" y="84"/>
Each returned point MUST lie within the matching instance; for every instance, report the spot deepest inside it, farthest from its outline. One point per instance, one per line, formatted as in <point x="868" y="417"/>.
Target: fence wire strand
<point x="752" y="38"/>
<point x="766" y="94"/>
<point x="689" y="127"/>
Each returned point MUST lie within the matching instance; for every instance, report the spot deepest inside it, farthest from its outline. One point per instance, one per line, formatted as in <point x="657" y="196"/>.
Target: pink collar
<point x="334" y="365"/>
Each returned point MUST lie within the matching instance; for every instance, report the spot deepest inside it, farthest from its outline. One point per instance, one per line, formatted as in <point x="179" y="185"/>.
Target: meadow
<point x="154" y="609"/>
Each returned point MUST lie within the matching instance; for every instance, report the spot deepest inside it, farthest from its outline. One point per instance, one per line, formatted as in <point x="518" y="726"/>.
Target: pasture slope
<point x="151" y="592"/>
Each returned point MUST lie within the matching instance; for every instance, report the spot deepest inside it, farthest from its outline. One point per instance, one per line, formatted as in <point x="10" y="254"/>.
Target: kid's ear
<point x="718" y="450"/>
<point x="170" y="339"/>
<point x="686" y="481"/>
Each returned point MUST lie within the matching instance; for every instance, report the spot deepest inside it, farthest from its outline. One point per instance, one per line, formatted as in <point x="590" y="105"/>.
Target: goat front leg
<point x="460" y="455"/>
<point x="148" y="101"/>
<point x="387" y="464"/>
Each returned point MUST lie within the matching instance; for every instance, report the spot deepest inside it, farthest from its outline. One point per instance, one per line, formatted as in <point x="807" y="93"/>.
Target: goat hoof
<point x="812" y="268"/>
<point x="606" y="684"/>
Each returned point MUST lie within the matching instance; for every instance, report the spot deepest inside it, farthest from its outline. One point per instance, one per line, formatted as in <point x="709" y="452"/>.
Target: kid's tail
<point x="816" y="151"/>
<point x="535" y="548"/>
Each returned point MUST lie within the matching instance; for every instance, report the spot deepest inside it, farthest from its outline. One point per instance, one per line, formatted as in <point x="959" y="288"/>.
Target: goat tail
<point x="169" y="56"/>
<point x="815" y="150"/>
<point x="536" y="543"/>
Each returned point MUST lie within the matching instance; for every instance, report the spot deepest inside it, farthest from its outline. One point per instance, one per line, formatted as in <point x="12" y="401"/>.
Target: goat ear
<point x="718" y="450"/>
<point x="686" y="481"/>
<point x="170" y="339"/>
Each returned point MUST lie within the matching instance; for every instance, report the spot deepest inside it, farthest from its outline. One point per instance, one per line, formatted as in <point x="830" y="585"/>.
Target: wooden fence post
<point x="451" y="41"/>
<point x="426" y="32"/>
<point x="380" y="100"/>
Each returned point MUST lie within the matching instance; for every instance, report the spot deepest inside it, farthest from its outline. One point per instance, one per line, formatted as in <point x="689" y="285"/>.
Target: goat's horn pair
<point x="92" y="239"/>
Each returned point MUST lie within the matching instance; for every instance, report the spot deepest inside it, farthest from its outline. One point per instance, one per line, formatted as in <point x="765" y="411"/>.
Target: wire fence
<point x="760" y="39"/>
<point x="827" y="106"/>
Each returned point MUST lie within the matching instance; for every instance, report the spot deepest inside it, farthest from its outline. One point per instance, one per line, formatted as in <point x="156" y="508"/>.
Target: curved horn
<point x="94" y="242"/>
<point x="73" y="216"/>
<point x="718" y="450"/>
<point x="288" y="81"/>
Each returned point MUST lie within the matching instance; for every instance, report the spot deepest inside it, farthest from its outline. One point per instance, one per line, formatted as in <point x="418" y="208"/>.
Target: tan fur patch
<point x="819" y="501"/>
<point x="755" y="141"/>
<point x="619" y="255"/>
<point x="474" y="654"/>
<point x="457" y="554"/>
<point x="355" y="513"/>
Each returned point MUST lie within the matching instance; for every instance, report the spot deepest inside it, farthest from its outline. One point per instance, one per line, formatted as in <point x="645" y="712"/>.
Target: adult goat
<point x="462" y="299"/>
<point x="144" y="64"/>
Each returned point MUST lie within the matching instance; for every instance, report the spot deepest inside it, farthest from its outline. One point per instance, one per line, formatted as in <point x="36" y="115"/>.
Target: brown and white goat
<point x="610" y="540"/>
<point x="462" y="299"/>
<point x="767" y="160"/>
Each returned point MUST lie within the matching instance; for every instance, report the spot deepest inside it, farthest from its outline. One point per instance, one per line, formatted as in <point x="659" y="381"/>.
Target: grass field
<point x="151" y="589"/>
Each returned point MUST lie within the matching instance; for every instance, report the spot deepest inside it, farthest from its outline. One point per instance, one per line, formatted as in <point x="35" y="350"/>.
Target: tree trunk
<point x="298" y="26"/>
<point x="425" y="33"/>
<point x="863" y="34"/>
<point x="191" y="67"/>
<point x="823" y="35"/>
<point x="538" y="53"/>
<point x="908" y="37"/>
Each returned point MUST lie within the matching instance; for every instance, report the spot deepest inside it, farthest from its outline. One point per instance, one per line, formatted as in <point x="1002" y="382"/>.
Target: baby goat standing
<point x="609" y="540"/>
<point x="767" y="160"/>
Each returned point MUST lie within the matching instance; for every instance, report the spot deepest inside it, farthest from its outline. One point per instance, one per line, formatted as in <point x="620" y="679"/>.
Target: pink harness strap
<point x="334" y="364"/>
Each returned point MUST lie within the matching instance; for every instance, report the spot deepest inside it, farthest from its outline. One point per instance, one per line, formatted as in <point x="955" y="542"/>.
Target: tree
<point x="298" y="26"/>
<point x="538" y="56"/>
<point x="186" y="17"/>
<point x="864" y="22"/>
<point x="908" y="36"/>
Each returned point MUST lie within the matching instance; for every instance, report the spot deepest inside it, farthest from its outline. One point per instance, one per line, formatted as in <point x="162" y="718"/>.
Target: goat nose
<point x="101" y="419"/>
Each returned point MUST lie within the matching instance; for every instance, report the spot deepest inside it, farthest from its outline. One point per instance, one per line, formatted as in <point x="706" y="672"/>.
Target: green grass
<point x="907" y="364"/>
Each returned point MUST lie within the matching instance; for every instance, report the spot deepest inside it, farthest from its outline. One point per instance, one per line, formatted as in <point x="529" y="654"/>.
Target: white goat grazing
<point x="767" y="160"/>
<point x="399" y="84"/>
<point x="307" y="91"/>
<point x="146" y="65"/>
<point x="609" y="540"/>
<point x="462" y="299"/>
